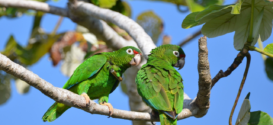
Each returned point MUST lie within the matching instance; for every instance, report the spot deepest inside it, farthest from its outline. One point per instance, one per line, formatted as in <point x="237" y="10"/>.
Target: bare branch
<point x="237" y="61"/>
<point x="142" y="39"/>
<point x="71" y="99"/>
<point x="96" y="26"/>
<point x="189" y="38"/>
<point x="35" y="6"/>
<point x="86" y="14"/>
<point x="204" y="81"/>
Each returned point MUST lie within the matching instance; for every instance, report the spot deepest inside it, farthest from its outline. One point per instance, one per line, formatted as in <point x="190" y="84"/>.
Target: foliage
<point x="194" y="5"/>
<point x="151" y="23"/>
<point x="246" y="117"/>
<point x="220" y="20"/>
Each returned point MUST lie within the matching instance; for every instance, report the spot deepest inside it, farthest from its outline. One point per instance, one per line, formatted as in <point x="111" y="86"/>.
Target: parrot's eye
<point x="176" y="53"/>
<point x="129" y="51"/>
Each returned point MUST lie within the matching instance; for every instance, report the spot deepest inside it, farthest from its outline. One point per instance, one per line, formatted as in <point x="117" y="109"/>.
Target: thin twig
<point x="248" y="57"/>
<point x="44" y="7"/>
<point x="237" y="61"/>
<point x="253" y="48"/>
<point x="189" y="38"/>
<point x="57" y="26"/>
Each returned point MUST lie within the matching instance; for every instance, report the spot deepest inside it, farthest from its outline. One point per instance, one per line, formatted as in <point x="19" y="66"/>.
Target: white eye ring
<point x="176" y="53"/>
<point x="130" y="51"/>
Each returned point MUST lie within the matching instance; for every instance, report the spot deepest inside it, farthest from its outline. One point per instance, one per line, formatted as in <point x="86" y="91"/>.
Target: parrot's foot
<point x="87" y="99"/>
<point x="155" y="114"/>
<point x="111" y="109"/>
<point x="115" y="74"/>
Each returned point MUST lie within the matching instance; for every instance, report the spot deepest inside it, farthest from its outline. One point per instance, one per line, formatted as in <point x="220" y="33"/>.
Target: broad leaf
<point x="21" y="86"/>
<point x="151" y="23"/>
<point x="123" y="8"/>
<point x="73" y="58"/>
<point x="220" y="20"/>
<point x="193" y="6"/>
<point x="269" y="61"/>
<point x="269" y="68"/>
<point x="244" y="114"/>
<point x="104" y="3"/>
<point x="260" y="118"/>
<point x="269" y="48"/>
<point x="256" y="26"/>
<point x="5" y="90"/>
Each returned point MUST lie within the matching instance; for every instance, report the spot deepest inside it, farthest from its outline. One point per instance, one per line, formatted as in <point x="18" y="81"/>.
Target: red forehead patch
<point x="136" y="52"/>
<point x="182" y="55"/>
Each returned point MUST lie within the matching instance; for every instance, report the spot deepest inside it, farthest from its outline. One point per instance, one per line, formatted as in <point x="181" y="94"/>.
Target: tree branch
<point x="189" y="38"/>
<point x="35" y="6"/>
<point x="142" y="39"/>
<point x="77" y="12"/>
<point x="96" y="26"/>
<point x="204" y="81"/>
<point x="71" y="99"/>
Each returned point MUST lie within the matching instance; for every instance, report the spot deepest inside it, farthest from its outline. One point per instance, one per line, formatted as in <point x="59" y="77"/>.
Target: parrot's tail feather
<point x="166" y="120"/>
<point x="56" y="110"/>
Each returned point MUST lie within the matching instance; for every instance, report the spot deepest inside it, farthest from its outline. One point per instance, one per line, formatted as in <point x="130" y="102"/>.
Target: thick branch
<point x="142" y="39"/>
<point x="35" y="6"/>
<point x="71" y="99"/>
<point x="96" y="26"/>
<point x="204" y="81"/>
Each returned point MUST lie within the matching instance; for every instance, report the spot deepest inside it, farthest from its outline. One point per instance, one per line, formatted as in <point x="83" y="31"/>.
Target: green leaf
<point x="5" y="90"/>
<point x="193" y="6"/>
<point x="10" y="46"/>
<point x="269" y="48"/>
<point x="104" y="3"/>
<point x="151" y="23"/>
<point x="269" y="68"/>
<point x="21" y="86"/>
<point x="190" y="21"/>
<point x="74" y="56"/>
<point x="123" y="8"/>
<point x="220" y="20"/>
<point x="260" y="118"/>
<point x="256" y="27"/>
<point x="244" y="114"/>
<point x="37" y="20"/>
<point x="237" y="7"/>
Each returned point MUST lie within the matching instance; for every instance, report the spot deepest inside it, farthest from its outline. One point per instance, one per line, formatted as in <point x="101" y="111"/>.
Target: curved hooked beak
<point x="180" y="63"/>
<point x="136" y="60"/>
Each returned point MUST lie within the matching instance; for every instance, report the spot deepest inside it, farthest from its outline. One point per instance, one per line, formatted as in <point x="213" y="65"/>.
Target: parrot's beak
<point x="180" y="63"/>
<point x="136" y="60"/>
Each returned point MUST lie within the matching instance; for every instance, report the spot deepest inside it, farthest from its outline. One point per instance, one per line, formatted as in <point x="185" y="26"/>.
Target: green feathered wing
<point x="86" y="70"/>
<point x="161" y="87"/>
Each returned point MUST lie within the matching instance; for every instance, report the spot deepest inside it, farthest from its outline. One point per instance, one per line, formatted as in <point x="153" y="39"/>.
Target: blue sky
<point x="29" y="108"/>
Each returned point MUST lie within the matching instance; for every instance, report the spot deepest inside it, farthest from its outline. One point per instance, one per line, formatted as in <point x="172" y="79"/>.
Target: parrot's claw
<point x="87" y="99"/>
<point x="115" y="74"/>
<point x="111" y="109"/>
<point x="154" y="114"/>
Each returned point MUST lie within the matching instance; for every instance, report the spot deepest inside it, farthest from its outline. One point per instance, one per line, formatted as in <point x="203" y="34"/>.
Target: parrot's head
<point x="170" y="53"/>
<point x="130" y="54"/>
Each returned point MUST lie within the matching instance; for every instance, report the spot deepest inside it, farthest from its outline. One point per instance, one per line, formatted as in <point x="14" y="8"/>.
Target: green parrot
<point x="96" y="78"/>
<point x="160" y="85"/>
